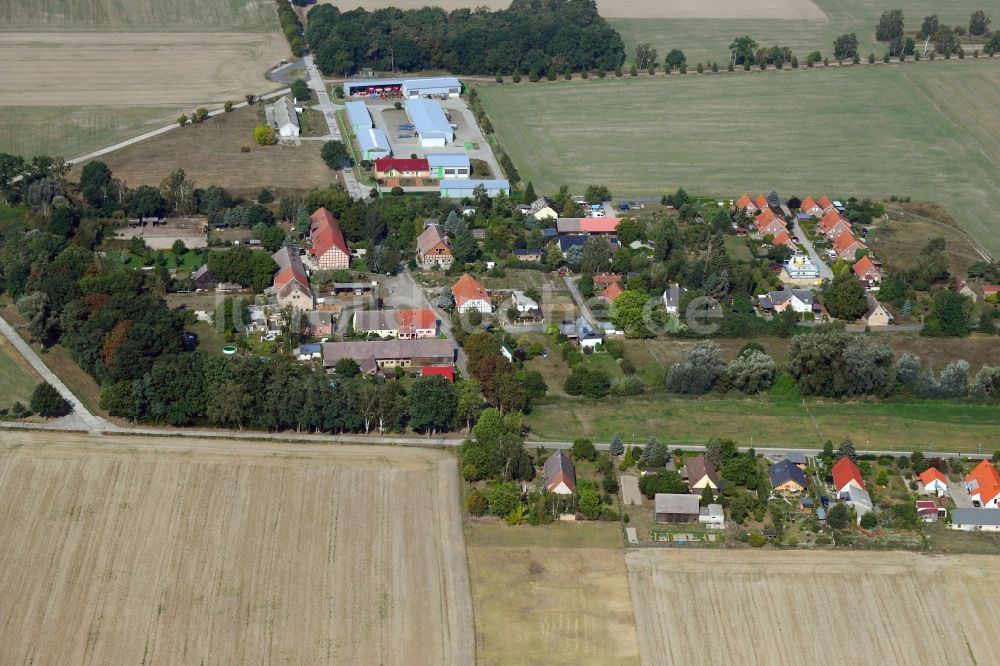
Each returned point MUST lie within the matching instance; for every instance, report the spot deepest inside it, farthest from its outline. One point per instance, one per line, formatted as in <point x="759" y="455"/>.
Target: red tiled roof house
<point x="329" y="248"/>
<point x="395" y="167"/>
<point x="470" y="295"/>
<point x="846" y="473"/>
<point x="433" y="248"/>
<point x="983" y="484"/>
<point x="933" y="482"/>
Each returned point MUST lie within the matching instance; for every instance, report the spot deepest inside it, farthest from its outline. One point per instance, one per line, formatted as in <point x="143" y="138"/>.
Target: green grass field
<point x="707" y="39"/>
<point x="925" y="130"/>
<point x="71" y="131"/>
<point x="16" y="376"/>
<point x="939" y="426"/>
<point x="144" y="15"/>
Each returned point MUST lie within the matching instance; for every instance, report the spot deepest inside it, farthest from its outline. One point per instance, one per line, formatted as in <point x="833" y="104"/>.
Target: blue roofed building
<point x="787" y="478"/>
<point x="449" y="165"/>
<point x="430" y="121"/>
<point x="358" y="116"/>
<point x="374" y="144"/>
<point x="567" y="242"/>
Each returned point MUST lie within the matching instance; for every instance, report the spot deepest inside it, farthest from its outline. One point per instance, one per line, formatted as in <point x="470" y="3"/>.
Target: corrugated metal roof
<point x="429" y="119"/>
<point x="373" y="140"/>
<point x="433" y="82"/>
<point x="470" y="184"/>
<point x="357" y="114"/>
<point x="451" y="160"/>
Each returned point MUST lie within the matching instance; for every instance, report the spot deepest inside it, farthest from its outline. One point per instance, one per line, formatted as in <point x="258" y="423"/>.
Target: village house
<point x="826" y="204"/>
<point x="859" y="499"/>
<point x="976" y="520"/>
<point x="847" y="246"/>
<point x="528" y="256"/>
<point x="204" y="279"/>
<point x="701" y="474"/>
<point x="291" y="283"/>
<point x="797" y="458"/>
<point x="404" y="324"/>
<point x="583" y="332"/>
<point x="560" y="474"/>
<point x="797" y="300"/>
<point x="933" y="482"/>
<point x="318" y="323"/>
<point x="446" y="371"/>
<point x="672" y="297"/>
<point x="604" y="280"/>
<point x="832" y="225"/>
<point x="800" y="267"/>
<point x="523" y="302"/>
<point x="928" y="511"/>
<point x="964" y="289"/>
<point x="309" y="351"/>
<point x="395" y="167"/>
<point x="470" y="295"/>
<point x="868" y="273"/>
<point x="991" y="292"/>
<point x="587" y="225"/>
<point x="787" y="478"/>
<point x="983" y="484"/>
<point x="434" y="248"/>
<point x="613" y="291"/>
<point x="876" y="314"/>
<point x="329" y="249"/>
<point x="542" y="209"/>
<point x="671" y="508"/>
<point x="784" y="238"/>
<point x="376" y="355"/>
<point x="810" y="207"/>
<point x="282" y="118"/>
<point x="845" y="474"/>
<point x="767" y="223"/>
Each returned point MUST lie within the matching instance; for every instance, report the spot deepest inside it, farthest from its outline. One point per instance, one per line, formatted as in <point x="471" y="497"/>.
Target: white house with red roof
<point x="833" y="224"/>
<point x="470" y="295"/>
<point x="783" y="238"/>
<point x="767" y="223"/>
<point x="868" y="273"/>
<point x="746" y="205"/>
<point x="396" y="167"/>
<point x="826" y="204"/>
<point x="983" y="484"/>
<point x="846" y="473"/>
<point x="846" y="246"/>
<point x="329" y="249"/>
<point x="933" y="482"/>
<point x="291" y="283"/>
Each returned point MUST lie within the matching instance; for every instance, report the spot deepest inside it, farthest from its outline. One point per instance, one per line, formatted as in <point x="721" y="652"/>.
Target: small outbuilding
<point x="676" y="508"/>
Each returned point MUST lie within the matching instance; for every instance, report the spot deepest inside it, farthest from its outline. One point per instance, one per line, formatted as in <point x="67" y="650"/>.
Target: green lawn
<point x="708" y="39"/>
<point x="925" y="130"/>
<point x="16" y="377"/>
<point x="904" y="426"/>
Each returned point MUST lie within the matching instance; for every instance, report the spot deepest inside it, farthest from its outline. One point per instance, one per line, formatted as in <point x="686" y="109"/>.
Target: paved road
<point x="580" y="303"/>
<point x="354" y="188"/>
<point x="81" y="418"/>
<point x="279" y="74"/>
<point x="825" y="271"/>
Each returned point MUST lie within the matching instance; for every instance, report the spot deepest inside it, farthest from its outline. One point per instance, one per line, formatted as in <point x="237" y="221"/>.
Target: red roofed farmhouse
<point x="328" y="245"/>
<point x="846" y="473"/>
<point x="983" y="483"/>
<point x="394" y="167"/>
<point x="470" y="295"/>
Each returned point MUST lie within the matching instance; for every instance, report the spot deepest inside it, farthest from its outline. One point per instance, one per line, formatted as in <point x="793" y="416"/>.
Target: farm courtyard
<point x="925" y="130"/>
<point x="168" y="551"/>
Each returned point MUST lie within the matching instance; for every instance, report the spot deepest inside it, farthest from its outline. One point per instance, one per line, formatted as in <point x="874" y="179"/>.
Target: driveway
<point x="410" y="290"/>
<point x="580" y="303"/>
<point x="959" y="495"/>
<point x="280" y="74"/>
<point x="825" y="271"/>
<point x="316" y="84"/>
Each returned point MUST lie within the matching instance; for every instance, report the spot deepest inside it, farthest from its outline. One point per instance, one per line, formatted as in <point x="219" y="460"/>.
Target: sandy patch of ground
<point x="135" y="69"/>
<point x="753" y="607"/>
<point x="159" y="551"/>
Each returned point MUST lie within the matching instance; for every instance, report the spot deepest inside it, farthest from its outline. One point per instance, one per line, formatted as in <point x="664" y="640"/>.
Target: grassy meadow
<point x="17" y="377"/>
<point x="706" y="37"/>
<point x="925" y="130"/>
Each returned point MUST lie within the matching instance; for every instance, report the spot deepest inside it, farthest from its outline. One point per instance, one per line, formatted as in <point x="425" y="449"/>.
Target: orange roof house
<point x="769" y="223"/>
<point x="983" y="483"/>
<point x="328" y="244"/>
<point x="867" y="271"/>
<point x="613" y="291"/>
<point x="599" y="225"/>
<point x="933" y="481"/>
<point x="470" y="295"/>
<point x="420" y="323"/>
<point x="761" y="202"/>
<point x="810" y="207"/>
<point x="825" y="203"/>
<point x="846" y="246"/>
<point x="845" y="473"/>
<point x="782" y="238"/>
<point x="746" y="203"/>
<point x="833" y="224"/>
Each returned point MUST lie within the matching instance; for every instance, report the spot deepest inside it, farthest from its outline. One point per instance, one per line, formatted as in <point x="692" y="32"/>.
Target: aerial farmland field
<point x="717" y="607"/>
<point x="628" y="9"/>
<point x="100" y="72"/>
<point x="172" y="551"/>
<point x="931" y="132"/>
<point x="705" y="30"/>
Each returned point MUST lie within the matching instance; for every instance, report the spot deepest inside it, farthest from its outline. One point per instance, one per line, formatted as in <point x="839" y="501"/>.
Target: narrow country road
<point x="316" y="84"/>
<point x="582" y="304"/>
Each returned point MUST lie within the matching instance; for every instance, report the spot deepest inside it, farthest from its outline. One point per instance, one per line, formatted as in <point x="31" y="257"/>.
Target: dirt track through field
<point x="754" y="607"/>
<point x="132" y="550"/>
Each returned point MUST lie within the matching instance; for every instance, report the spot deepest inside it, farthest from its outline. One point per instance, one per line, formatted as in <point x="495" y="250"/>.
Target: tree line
<point x="530" y="36"/>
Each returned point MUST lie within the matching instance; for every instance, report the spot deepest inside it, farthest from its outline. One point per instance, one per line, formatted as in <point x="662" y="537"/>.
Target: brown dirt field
<point x="137" y="69"/>
<point x="899" y="241"/>
<point x="171" y="551"/>
<point x="633" y="9"/>
<point x="712" y="607"/>
<point x="551" y="595"/>
<point x="210" y="154"/>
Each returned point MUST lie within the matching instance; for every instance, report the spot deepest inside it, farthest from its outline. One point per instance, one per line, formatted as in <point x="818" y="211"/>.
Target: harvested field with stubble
<point x="753" y="607"/>
<point x="169" y="551"/>
<point x="151" y="15"/>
